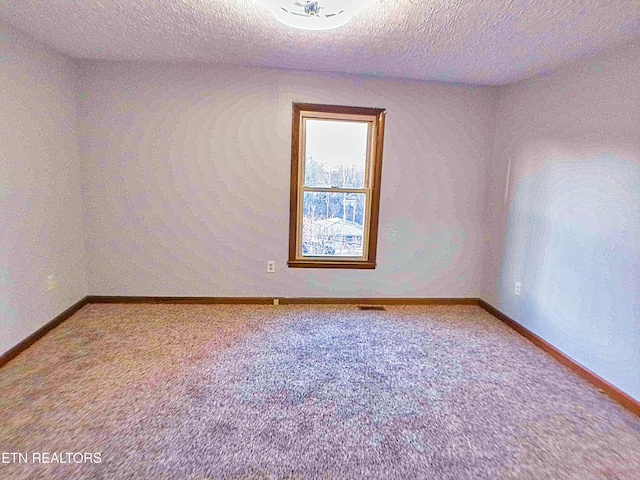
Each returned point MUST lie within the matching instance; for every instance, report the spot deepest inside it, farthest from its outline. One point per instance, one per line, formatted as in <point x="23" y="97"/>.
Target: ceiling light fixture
<point x="315" y="14"/>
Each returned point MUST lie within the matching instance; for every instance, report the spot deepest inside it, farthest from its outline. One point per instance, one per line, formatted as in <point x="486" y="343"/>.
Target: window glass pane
<point x="332" y="224"/>
<point x="336" y="153"/>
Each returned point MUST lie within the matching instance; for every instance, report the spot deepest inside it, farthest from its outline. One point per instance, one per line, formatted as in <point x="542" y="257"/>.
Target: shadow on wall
<point x="8" y="312"/>
<point x="573" y="241"/>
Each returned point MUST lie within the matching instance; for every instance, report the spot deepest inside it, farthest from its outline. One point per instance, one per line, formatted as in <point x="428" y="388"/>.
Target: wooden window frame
<point x="373" y="177"/>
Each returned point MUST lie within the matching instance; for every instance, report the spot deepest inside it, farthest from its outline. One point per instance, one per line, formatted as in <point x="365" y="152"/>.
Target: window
<point x="336" y="161"/>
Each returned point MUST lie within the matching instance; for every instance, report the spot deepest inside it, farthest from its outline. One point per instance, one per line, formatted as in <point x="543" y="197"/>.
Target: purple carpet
<point x="303" y="392"/>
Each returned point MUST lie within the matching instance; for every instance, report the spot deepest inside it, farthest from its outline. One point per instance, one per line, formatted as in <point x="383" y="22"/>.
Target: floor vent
<point x="370" y="307"/>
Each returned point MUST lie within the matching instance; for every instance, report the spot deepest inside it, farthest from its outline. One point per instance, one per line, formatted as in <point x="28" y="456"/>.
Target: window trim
<point x="377" y="118"/>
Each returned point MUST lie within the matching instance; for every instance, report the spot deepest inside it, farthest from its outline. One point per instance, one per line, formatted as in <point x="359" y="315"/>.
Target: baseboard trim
<point x="615" y="393"/>
<point x="182" y="300"/>
<point x="377" y="301"/>
<point x="284" y="300"/>
<point x="41" y="332"/>
<point x="605" y="387"/>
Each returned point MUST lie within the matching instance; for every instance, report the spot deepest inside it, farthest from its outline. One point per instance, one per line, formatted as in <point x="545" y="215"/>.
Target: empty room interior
<point x="332" y="239"/>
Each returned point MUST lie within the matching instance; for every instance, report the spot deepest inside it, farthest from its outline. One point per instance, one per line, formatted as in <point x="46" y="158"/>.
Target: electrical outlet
<point x="518" y="288"/>
<point x="276" y="301"/>
<point x="52" y="285"/>
<point x="271" y="266"/>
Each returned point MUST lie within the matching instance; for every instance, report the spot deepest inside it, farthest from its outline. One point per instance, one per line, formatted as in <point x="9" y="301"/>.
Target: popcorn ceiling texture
<point x="491" y="42"/>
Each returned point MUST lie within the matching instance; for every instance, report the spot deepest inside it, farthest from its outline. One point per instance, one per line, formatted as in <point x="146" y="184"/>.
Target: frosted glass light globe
<point x="315" y="14"/>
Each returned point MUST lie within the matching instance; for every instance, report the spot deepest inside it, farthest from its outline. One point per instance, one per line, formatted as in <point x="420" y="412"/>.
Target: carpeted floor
<point x="304" y="392"/>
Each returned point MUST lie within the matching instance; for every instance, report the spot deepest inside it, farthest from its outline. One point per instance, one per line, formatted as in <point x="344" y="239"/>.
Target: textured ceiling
<point x="472" y="41"/>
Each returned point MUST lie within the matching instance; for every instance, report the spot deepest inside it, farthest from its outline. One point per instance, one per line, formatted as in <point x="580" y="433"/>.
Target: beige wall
<point x="564" y="203"/>
<point x="187" y="182"/>
<point x="40" y="201"/>
<point x="185" y="191"/>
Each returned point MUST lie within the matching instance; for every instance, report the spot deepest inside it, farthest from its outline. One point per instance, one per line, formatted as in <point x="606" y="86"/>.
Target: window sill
<point x="330" y="264"/>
